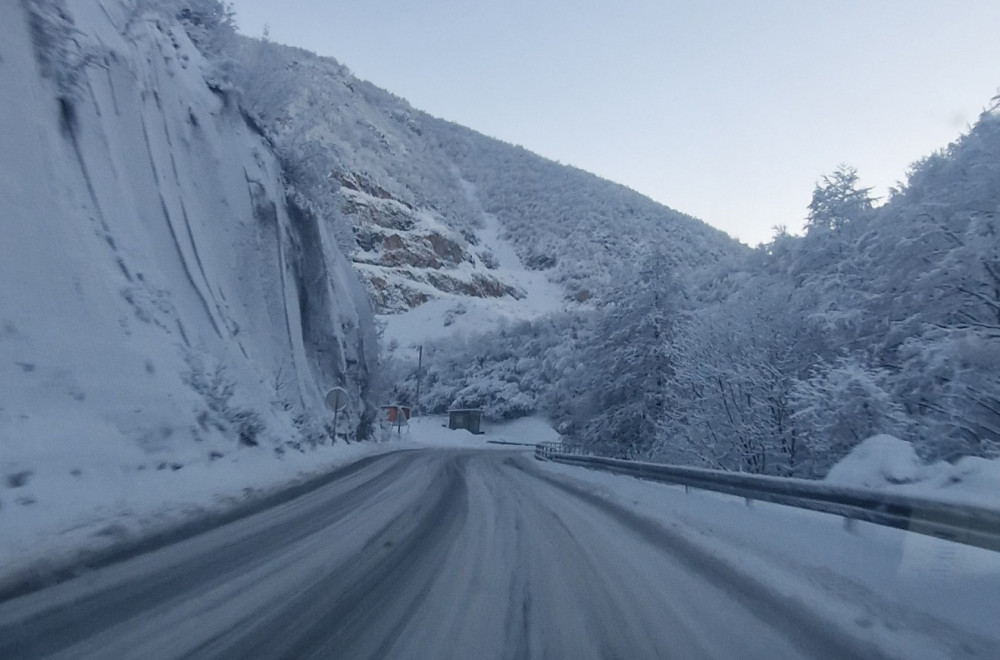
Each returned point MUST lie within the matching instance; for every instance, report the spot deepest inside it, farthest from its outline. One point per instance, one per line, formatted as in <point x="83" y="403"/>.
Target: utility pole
<point x="420" y="363"/>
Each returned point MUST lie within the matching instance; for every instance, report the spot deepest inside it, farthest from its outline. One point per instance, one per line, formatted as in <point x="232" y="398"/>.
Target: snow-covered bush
<point x="841" y="405"/>
<point x="62" y="56"/>
<point x="876" y="462"/>
<point x="209" y="378"/>
<point x="210" y="24"/>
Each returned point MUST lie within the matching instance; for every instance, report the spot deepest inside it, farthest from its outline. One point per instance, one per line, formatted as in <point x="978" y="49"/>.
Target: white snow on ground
<point x="899" y="586"/>
<point x="886" y="462"/>
<point x="61" y="511"/>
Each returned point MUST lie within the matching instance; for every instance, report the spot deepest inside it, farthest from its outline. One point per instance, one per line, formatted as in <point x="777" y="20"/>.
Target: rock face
<point x="407" y="256"/>
<point x="161" y="287"/>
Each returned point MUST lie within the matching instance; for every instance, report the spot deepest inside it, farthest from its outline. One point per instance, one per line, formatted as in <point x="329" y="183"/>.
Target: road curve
<point x="424" y="554"/>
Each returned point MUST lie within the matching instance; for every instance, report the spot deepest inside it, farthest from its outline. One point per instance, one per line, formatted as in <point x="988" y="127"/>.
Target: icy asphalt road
<point x="427" y="554"/>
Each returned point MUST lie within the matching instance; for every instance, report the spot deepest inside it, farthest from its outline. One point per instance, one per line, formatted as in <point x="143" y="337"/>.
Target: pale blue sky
<point x="729" y="110"/>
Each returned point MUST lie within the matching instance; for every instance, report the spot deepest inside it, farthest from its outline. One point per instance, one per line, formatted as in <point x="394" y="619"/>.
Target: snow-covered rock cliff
<point x="163" y="302"/>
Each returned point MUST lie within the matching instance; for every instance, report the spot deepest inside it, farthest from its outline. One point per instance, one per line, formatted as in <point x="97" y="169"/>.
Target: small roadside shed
<point x="465" y="418"/>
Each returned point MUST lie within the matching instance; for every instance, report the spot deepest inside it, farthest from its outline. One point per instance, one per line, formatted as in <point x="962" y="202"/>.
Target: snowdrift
<point x="886" y="462"/>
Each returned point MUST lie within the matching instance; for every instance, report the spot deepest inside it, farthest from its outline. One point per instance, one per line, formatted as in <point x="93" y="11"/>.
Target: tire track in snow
<point x="443" y="554"/>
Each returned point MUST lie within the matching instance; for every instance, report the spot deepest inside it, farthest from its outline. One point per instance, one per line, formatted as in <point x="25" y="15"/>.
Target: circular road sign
<point x="336" y="399"/>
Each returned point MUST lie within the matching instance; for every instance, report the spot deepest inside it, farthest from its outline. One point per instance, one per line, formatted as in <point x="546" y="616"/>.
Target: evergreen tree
<point x="838" y="201"/>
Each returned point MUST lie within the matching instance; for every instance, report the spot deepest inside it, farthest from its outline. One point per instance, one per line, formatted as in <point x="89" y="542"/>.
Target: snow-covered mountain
<point x="449" y="228"/>
<point x="163" y="301"/>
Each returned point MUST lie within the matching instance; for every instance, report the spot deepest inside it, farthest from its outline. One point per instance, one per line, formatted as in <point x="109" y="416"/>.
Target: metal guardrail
<point x="971" y="525"/>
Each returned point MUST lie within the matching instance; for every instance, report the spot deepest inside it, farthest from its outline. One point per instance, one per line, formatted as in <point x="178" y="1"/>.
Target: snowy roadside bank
<point x="54" y="523"/>
<point x="884" y="580"/>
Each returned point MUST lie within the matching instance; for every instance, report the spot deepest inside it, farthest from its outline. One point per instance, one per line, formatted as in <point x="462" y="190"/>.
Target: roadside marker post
<point x="336" y="400"/>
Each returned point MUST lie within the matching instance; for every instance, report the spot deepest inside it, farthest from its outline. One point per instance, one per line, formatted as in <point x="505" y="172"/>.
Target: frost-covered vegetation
<point x="686" y="347"/>
<point x="578" y="226"/>
<point x="880" y="319"/>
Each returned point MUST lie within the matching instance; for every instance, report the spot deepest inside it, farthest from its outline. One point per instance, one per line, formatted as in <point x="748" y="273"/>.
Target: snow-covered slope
<point x="449" y="228"/>
<point x="161" y="302"/>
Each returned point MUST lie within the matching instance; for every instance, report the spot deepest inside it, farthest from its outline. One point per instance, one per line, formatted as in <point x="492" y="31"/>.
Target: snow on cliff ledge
<point x="162" y="304"/>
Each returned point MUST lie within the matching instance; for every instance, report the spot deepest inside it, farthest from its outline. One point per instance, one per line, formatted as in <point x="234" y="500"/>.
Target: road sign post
<point x="336" y="400"/>
<point x="420" y="363"/>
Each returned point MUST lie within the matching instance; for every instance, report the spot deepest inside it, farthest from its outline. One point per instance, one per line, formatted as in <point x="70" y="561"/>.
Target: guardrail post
<point x="850" y="524"/>
<point x="749" y="502"/>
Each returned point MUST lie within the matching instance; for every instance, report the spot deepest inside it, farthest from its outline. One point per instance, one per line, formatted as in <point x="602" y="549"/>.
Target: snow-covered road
<point x="481" y="554"/>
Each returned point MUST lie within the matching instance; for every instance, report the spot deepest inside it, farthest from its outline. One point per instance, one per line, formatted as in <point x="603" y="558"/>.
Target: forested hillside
<point x="877" y="320"/>
<point x="581" y="227"/>
<point x="672" y="340"/>
<point x="880" y="319"/>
